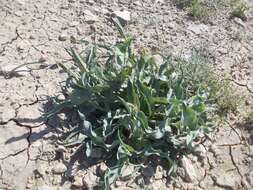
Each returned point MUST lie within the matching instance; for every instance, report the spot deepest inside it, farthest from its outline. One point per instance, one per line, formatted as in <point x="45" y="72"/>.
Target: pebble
<point x="59" y="168"/>
<point x="239" y="22"/>
<point x="101" y="169"/>
<point x="8" y="70"/>
<point x="158" y="173"/>
<point x="198" y="28"/>
<point x="63" y="37"/>
<point x="200" y="151"/>
<point x="190" y="173"/>
<point x="89" y="17"/>
<point x="158" y="59"/>
<point x="61" y="148"/>
<point x="124" y="16"/>
<point x="78" y="182"/>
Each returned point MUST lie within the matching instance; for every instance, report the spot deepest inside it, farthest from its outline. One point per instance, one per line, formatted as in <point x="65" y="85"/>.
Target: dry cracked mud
<point x="32" y="30"/>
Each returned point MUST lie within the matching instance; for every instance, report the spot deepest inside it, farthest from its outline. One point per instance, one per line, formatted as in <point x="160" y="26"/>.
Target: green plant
<point x="133" y="109"/>
<point x="196" y="8"/>
<point x="239" y="10"/>
<point x="250" y="118"/>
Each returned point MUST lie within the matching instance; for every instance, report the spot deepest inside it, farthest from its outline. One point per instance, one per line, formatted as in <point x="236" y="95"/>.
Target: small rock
<point x="181" y="172"/>
<point x="127" y="171"/>
<point x="239" y="22"/>
<point x="73" y="39"/>
<point x="61" y="148"/>
<point x="222" y="180"/>
<point x="198" y="28"/>
<point x="89" y="17"/>
<point x="159" y="173"/>
<point x="41" y="169"/>
<point x="9" y="70"/>
<point x="158" y="59"/>
<point x="137" y="3"/>
<point x="74" y="24"/>
<point x="101" y="169"/>
<point x="213" y="148"/>
<point x="118" y="183"/>
<point x="171" y="25"/>
<point x="78" y="182"/>
<point x="63" y="37"/>
<point x="200" y="151"/>
<point x="123" y="16"/>
<point x="190" y="174"/>
<point x="44" y="187"/>
<point x="59" y="168"/>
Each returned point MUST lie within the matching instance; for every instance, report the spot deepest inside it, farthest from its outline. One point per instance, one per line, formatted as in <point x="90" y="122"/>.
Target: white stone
<point x="10" y="70"/>
<point x="198" y="28"/>
<point x="190" y="173"/>
<point x="59" y="168"/>
<point x="90" y="17"/>
<point x="124" y="15"/>
<point x="158" y="59"/>
<point x="63" y="37"/>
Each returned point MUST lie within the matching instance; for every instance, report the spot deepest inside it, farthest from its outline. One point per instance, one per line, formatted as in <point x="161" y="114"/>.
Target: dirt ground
<point x="32" y="30"/>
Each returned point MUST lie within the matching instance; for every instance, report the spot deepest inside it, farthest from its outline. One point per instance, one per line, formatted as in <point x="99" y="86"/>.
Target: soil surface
<point x="39" y="30"/>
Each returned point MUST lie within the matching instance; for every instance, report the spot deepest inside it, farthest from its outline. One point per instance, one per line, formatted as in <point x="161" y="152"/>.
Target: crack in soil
<point x="216" y="183"/>
<point x="233" y="161"/>
<point x="13" y="39"/>
<point x="13" y="154"/>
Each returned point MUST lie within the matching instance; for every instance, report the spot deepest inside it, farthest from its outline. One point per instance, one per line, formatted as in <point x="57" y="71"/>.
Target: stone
<point x="59" y="168"/>
<point x="200" y="151"/>
<point x="41" y="169"/>
<point x="101" y="169"/>
<point x="61" y="148"/>
<point x="239" y="22"/>
<point x="124" y="16"/>
<point x="190" y="173"/>
<point x="198" y="28"/>
<point x="158" y="59"/>
<point x="74" y="23"/>
<point x="78" y="182"/>
<point x="223" y="180"/>
<point x="137" y="3"/>
<point x="11" y="70"/>
<point x="127" y="171"/>
<point x="63" y="37"/>
<point x="90" y="17"/>
<point x="44" y="187"/>
<point x="158" y="173"/>
<point x="213" y="148"/>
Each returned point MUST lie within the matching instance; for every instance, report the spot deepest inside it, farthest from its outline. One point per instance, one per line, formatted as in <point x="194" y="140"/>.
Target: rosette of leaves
<point x="131" y="108"/>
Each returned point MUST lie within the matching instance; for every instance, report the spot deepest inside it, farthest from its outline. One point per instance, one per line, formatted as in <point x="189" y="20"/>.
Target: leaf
<point x="77" y="59"/>
<point x="79" y="96"/>
<point x="112" y="174"/>
<point x="189" y="117"/>
<point x="159" y="100"/>
<point x="132" y="94"/>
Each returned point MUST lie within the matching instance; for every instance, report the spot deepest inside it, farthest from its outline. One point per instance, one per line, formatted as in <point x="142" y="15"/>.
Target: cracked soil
<point x="32" y="30"/>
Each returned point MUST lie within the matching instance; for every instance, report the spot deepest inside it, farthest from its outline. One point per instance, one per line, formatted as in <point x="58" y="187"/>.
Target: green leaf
<point x="79" y="96"/>
<point x="132" y="94"/>
<point x="189" y="117"/>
